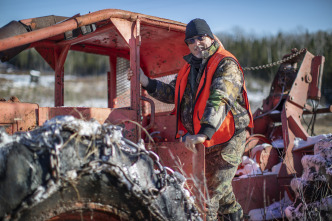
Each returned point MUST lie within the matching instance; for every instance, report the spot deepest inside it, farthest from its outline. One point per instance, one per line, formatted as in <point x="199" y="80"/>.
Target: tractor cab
<point x="130" y="40"/>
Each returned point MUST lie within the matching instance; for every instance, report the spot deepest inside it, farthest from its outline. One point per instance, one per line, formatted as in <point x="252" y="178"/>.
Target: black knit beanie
<point x="198" y="26"/>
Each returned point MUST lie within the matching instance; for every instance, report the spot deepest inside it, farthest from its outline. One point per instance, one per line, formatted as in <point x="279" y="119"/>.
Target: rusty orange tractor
<point x="136" y="39"/>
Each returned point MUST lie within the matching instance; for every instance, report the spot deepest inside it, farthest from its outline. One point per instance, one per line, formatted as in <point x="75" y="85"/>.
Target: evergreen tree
<point x="249" y="49"/>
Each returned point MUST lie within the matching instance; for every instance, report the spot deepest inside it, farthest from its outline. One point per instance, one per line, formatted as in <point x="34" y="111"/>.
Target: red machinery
<point x="156" y="45"/>
<point x="298" y="80"/>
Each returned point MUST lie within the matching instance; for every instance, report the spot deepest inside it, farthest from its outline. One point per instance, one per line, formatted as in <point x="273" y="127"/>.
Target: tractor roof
<point x="106" y="32"/>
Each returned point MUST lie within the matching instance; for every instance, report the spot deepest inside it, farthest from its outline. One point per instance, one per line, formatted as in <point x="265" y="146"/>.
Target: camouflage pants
<point x="221" y="165"/>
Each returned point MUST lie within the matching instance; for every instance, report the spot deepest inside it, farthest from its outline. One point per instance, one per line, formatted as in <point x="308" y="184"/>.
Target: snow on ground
<point x="24" y="80"/>
<point x="316" y="168"/>
<point x="249" y="167"/>
<point x="272" y="212"/>
<point x="300" y="143"/>
<point x="21" y="81"/>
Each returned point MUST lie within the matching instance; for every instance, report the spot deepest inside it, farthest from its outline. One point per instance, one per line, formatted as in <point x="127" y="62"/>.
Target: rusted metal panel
<point x="164" y="62"/>
<point x="192" y="165"/>
<point x="46" y="50"/>
<point x="164" y="127"/>
<point x="125" y="28"/>
<point x="296" y="126"/>
<point x="291" y="115"/>
<point x="257" y="191"/>
<point x="317" y="67"/>
<point x="301" y="82"/>
<point x="18" y="116"/>
<point x="102" y="115"/>
<point x="266" y="157"/>
<point x="254" y="140"/>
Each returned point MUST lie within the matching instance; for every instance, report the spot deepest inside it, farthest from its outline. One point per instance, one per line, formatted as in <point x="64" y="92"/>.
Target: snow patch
<point x="250" y="168"/>
<point x="300" y="143"/>
<point x="272" y="212"/>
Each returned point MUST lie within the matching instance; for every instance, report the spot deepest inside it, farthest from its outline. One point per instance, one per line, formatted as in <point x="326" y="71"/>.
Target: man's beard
<point x="201" y="51"/>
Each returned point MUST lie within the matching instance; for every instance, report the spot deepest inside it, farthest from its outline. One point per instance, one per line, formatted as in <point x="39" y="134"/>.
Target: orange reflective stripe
<point x="181" y="82"/>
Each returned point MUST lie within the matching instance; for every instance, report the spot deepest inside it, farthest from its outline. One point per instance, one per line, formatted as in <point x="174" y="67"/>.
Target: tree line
<point x="250" y="50"/>
<point x="253" y="51"/>
<point x="77" y="63"/>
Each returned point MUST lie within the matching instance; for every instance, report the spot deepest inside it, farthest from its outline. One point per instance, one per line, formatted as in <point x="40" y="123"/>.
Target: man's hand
<point x="142" y="77"/>
<point x="192" y="140"/>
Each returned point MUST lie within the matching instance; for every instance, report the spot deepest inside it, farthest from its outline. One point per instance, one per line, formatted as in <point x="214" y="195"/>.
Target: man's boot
<point x="236" y="216"/>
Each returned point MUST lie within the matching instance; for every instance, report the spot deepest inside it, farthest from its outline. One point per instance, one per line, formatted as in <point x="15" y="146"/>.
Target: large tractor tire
<point x="71" y="169"/>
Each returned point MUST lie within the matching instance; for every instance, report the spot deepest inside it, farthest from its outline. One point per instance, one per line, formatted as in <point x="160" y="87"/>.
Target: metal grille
<point x="122" y="83"/>
<point x="123" y="87"/>
<point x="160" y="106"/>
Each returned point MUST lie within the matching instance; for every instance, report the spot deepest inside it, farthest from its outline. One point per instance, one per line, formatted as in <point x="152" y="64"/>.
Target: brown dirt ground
<point x="323" y="124"/>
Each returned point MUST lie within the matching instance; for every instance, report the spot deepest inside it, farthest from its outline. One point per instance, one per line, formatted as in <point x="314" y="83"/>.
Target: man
<point x="212" y="108"/>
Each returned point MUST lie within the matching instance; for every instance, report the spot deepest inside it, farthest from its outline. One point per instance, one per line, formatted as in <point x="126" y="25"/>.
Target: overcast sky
<point x="263" y="17"/>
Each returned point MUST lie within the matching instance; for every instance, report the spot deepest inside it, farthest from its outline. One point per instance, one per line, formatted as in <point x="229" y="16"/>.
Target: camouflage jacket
<point x="226" y="95"/>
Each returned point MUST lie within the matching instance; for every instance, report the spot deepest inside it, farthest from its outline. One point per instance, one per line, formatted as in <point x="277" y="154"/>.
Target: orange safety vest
<point x="227" y="128"/>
